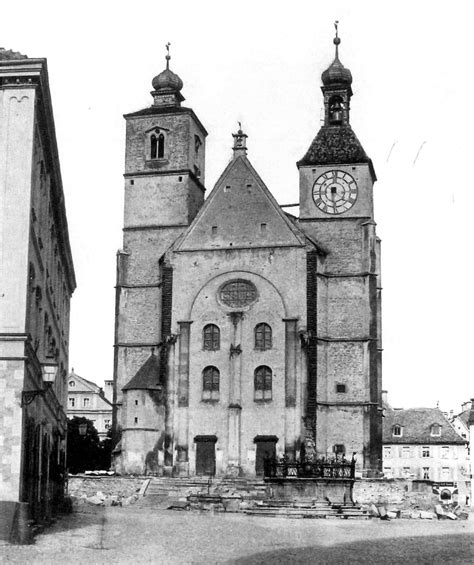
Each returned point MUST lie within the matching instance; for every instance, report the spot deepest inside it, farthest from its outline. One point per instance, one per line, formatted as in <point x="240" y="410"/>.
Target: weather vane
<point x="240" y="125"/>
<point x="336" y="39"/>
<point x="168" y="56"/>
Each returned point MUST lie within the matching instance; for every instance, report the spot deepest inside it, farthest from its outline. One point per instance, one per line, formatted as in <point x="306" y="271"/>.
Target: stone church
<point x="243" y="331"/>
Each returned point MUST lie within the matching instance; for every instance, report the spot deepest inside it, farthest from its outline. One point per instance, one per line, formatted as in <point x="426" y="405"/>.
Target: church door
<point x="265" y="450"/>
<point x="205" y="455"/>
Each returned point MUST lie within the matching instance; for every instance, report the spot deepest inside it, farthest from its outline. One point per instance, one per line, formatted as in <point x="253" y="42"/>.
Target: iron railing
<point x="323" y="468"/>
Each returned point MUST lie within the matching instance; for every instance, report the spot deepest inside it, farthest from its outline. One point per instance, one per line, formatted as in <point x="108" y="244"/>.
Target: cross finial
<point x="168" y="56"/>
<point x="337" y="40"/>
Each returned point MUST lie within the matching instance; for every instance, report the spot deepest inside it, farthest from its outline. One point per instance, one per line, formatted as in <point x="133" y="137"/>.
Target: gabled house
<point x="87" y="400"/>
<point x="420" y="443"/>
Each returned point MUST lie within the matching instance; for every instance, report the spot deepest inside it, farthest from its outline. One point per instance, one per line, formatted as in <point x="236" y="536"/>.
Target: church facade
<point x="243" y="331"/>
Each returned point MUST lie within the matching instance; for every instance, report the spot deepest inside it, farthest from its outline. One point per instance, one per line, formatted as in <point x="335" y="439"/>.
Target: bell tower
<point x="164" y="190"/>
<point x="344" y="289"/>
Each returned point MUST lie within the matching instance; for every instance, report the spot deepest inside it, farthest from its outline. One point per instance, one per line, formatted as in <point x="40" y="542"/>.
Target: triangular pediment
<point x="240" y="213"/>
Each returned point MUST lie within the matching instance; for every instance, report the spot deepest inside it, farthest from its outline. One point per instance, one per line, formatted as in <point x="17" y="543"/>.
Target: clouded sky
<point x="260" y="63"/>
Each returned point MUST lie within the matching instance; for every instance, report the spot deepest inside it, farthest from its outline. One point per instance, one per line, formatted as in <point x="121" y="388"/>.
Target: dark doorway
<point x="205" y="455"/>
<point x="265" y="450"/>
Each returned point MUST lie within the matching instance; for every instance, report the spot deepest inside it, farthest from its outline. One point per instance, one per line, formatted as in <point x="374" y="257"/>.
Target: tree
<point x="84" y="449"/>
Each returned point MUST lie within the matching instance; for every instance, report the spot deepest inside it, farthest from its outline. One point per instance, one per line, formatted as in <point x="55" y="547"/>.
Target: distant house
<point x="420" y="443"/>
<point x="87" y="400"/>
<point x="460" y="421"/>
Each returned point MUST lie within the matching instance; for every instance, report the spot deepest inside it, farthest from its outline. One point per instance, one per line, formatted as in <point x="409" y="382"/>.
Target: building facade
<point x="36" y="283"/>
<point x="420" y="443"/>
<point x="85" y="399"/>
<point x="242" y="331"/>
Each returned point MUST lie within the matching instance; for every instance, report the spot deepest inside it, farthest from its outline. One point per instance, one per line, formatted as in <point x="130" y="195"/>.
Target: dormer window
<point x="435" y="430"/>
<point x="397" y="431"/>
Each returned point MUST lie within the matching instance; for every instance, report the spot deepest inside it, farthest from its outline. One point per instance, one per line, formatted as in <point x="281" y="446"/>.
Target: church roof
<point x="335" y="145"/>
<point x="147" y="377"/>
<point x="238" y="206"/>
<point x="416" y="426"/>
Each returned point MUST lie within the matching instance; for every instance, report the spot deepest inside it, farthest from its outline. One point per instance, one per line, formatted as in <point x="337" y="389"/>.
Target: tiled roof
<point x="416" y="424"/>
<point x="147" y="377"/>
<point x="334" y="145"/>
<point x="157" y="110"/>
<point x="9" y="55"/>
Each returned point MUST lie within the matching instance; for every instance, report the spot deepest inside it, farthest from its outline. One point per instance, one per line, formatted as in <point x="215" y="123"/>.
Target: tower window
<point x="136" y="402"/>
<point x="132" y="182"/>
<point x="197" y="144"/>
<point x="263" y="383"/>
<point x="153" y="147"/>
<point x="214" y="230"/>
<point x="136" y="420"/>
<point x="210" y="383"/>
<point x="211" y="338"/>
<point x="161" y="146"/>
<point x="263" y="228"/>
<point x="263" y="337"/>
<point x="336" y="110"/>
<point x="340" y="388"/>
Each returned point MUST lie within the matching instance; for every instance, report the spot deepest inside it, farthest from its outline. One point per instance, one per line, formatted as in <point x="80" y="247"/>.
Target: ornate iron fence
<point x="338" y="468"/>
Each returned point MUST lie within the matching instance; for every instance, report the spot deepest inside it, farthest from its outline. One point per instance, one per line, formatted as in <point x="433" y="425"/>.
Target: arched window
<point x="211" y="338"/>
<point x="263" y="383"/>
<point x="336" y="110"/>
<point x="263" y="337"/>
<point x="153" y="147"/>
<point x="161" y="146"/>
<point x="210" y="383"/>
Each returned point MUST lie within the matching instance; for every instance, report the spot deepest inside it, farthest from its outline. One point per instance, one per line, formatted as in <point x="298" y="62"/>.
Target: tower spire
<point x="337" y="39"/>
<point x="168" y="56"/>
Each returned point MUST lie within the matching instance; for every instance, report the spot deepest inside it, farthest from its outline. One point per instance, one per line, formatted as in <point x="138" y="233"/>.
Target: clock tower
<point x="344" y="316"/>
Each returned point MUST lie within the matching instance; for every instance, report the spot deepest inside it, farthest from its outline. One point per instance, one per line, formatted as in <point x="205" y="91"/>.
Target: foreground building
<point x="244" y="332"/>
<point x="36" y="283"/>
<point x="85" y="399"/>
<point x="420" y="443"/>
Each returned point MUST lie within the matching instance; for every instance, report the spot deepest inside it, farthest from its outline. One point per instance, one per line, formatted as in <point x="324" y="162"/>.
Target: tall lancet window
<point x="161" y="146"/>
<point x="153" y="147"/>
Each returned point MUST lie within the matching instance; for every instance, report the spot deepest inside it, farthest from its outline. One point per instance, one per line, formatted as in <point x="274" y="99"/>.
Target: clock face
<point x="334" y="192"/>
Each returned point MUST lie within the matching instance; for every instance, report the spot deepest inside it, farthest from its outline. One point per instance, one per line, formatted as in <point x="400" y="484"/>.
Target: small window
<point x="425" y="451"/>
<point x="397" y="431"/>
<point x="436" y="430"/>
<point x="72" y="384"/>
<point x="72" y="402"/>
<point x="406" y="451"/>
<point x="197" y="144"/>
<point x="340" y="388"/>
<point x="197" y="171"/>
<point x="136" y="420"/>
<point x="210" y="383"/>
<point x="211" y="338"/>
<point x="107" y="424"/>
<point x="214" y="231"/>
<point x="263" y="228"/>
<point x="132" y="182"/>
<point x="445" y="452"/>
<point x="86" y="402"/>
<point x="339" y="449"/>
<point x="426" y="473"/>
<point x="263" y="337"/>
<point x="387" y="452"/>
<point x="263" y="383"/>
<point x="136" y="402"/>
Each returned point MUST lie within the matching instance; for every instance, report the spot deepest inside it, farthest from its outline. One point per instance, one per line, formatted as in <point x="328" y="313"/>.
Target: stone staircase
<point x="167" y="490"/>
<point x="251" y="495"/>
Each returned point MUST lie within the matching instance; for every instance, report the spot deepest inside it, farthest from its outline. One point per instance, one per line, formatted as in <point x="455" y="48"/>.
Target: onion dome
<point x="336" y="73"/>
<point x="167" y="80"/>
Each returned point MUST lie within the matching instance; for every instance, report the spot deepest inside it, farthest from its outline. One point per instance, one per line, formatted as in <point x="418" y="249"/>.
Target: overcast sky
<point x="261" y="62"/>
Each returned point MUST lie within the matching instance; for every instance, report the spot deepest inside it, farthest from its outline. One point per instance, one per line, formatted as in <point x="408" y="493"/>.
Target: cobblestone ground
<point x="133" y="535"/>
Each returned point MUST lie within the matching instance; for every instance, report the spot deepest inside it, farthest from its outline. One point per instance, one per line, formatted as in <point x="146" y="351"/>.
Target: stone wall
<point x="123" y="487"/>
<point x="397" y="493"/>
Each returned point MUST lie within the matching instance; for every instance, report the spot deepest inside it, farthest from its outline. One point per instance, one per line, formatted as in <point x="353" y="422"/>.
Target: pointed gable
<point x="240" y="213"/>
<point x="147" y="377"/>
